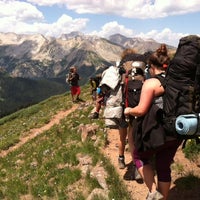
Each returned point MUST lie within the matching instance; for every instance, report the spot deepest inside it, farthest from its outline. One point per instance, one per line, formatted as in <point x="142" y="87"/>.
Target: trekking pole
<point x="126" y="96"/>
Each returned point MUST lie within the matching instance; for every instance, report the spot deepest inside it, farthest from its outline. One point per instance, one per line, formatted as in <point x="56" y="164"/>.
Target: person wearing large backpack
<point x="94" y="83"/>
<point x="149" y="135"/>
<point x="182" y="90"/>
<point x="99" y="96"/>
<point x="133" y="76"/>
<point x="111" y="89"/>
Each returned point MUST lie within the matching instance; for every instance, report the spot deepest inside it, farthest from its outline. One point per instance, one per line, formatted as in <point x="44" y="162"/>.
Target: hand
<point x="127" y="111"/>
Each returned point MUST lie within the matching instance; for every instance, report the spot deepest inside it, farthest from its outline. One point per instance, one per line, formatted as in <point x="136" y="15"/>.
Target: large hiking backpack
<point x="133" y="77"/>
<point x="133" y="80"/>
<point x="133" y="84"/>
<point x="112" y="90"/>
<point x="97" y="80"/>
<point x="182" y="89"/>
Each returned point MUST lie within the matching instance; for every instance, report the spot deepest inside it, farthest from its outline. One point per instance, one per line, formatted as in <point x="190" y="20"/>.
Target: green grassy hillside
<point x="47" y="166"/>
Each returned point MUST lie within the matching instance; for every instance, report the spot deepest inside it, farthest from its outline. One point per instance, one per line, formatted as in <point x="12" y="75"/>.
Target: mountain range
<point x="40" y="61"/>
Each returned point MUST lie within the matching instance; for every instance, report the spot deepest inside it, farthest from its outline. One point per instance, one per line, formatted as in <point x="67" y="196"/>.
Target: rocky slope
<point x="36" y="56"/>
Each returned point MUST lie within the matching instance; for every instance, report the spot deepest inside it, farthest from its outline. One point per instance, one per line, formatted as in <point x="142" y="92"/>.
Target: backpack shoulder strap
<point x="161" y="78"/>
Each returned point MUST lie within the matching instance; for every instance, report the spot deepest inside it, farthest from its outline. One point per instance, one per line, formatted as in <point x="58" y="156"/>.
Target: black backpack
<point x="133" y="92"/>
<point x="97" y="80"/>
<point x="182" y="89"/>
<point x="133" y="85"/>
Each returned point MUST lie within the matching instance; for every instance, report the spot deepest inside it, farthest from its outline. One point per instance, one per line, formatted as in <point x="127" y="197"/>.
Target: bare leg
<point x="72" y="97"/>
<point x="122" y="140"/>
<point x="163" y="188"/>
<point x="147" y="174"/>
<point x="122" y="143"/>
<point x="130" y="141"/>
<point x="98" y="106"/>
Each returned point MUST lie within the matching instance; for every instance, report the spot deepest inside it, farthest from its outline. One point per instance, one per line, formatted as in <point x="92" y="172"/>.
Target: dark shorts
<point x="120" y="123"/>
<point x="164" y="156"/>
<point x="101" y="99"/>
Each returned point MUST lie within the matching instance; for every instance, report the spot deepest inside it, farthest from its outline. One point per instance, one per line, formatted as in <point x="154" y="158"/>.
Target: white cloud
<point x="65" y="24"/>
<point x="164" y="36"/>
<point x="47" y="2"/>
<point x="19" y="11"/>
<point x="112" y="28"/>
<point x="141" y="9"/>
<point x="24" y="18"/>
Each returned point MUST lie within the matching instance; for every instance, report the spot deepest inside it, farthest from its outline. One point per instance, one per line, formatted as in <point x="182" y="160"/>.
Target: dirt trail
<point x="35" y="132"/>
<point x="138" y="189"/>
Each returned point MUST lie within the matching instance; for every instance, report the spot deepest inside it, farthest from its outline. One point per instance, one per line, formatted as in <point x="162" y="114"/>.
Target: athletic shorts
<point x="117" y="123"/>
<point x="163" y="155"/>
<point x="101" y="99"/>
<point x="75" y="90"/>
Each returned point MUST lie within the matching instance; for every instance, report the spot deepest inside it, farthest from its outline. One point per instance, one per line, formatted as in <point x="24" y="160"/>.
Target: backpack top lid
<point x="134" y="57"/>
<point x="111" y="77"/>
<point x="186" y="59"/>
<point x="139" y="64"/>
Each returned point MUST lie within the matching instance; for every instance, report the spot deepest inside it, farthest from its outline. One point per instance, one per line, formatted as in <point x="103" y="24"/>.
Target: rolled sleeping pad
<point x="187" y="124"/>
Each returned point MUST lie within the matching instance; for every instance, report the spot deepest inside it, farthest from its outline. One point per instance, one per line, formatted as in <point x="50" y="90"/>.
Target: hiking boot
<point x="132" y="173"/>
<point x="79" y="100"/>
<point x="137" y="175"/>
<point x="121" y="163"/>
<point x="154" y="196"/>
<point x="95" y="115"/>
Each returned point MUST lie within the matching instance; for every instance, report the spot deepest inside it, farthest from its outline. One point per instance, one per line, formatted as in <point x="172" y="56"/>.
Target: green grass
<point x="12" y="126"/>
<point x="47" y="167"/>
<point x="192" y="150"/>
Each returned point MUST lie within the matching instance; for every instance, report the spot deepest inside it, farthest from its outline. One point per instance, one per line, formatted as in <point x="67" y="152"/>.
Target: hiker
<point x="111" y="92"/>
<point x="163" y="149"/>
<point x="114" y="106"/>
<point x="75" y="88"/>
<point x="69" y="75"/>
<point x="94" y="83"/>
<point x="100" y="100"/>
<point x="162" y="50"/>
<point x="133" y="65"/>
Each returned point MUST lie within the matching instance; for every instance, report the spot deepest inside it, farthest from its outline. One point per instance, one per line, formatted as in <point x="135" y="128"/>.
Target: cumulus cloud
<point x="48" y="2"/>
<point x="25" y="16"/>
<point x="64" y="24"/>
<point x="164" y="36"/>
<point x="113" y="28"/>
<point x="19" y="11"/>
<point x="141" y="9"/>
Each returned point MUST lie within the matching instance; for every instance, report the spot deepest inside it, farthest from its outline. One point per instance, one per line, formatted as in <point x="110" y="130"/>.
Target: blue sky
<point x="165" y="21"/>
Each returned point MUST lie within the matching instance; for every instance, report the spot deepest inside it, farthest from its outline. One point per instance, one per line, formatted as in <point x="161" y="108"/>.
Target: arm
<point x="150" y="89"/>
<point x="71" y="75"/>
